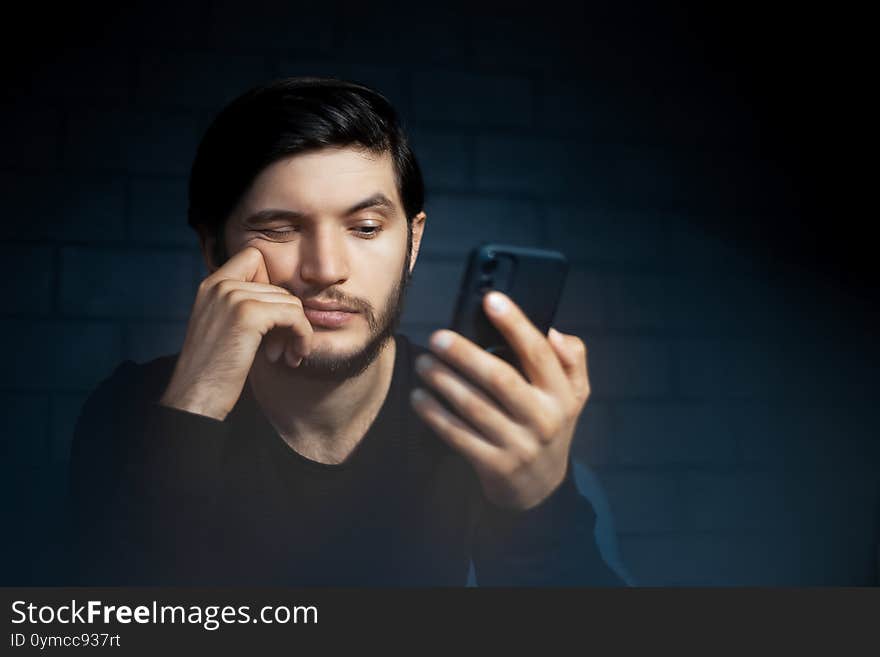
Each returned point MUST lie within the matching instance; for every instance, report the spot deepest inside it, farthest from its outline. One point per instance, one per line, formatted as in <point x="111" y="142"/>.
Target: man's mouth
<point x="327" y="314"/>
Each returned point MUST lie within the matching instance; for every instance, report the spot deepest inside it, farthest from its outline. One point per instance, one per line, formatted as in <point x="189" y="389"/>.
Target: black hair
<point x="283" y="118"/>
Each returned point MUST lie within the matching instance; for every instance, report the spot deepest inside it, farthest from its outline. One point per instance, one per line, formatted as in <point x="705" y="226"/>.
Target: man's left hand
<point x="516" y="431"/>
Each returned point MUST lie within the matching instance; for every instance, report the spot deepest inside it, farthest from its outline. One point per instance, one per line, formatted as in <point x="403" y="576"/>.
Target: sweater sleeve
<point x="551" y="544"/>
<point x="143" y="481"/>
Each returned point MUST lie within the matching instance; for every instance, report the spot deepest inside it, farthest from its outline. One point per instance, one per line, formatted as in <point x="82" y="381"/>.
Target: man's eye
<point x="368" y="232"/>
<point x="276" y="233"/>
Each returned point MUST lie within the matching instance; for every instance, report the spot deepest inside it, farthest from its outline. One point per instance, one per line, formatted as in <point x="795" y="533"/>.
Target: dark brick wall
<point x="731" y="422"/>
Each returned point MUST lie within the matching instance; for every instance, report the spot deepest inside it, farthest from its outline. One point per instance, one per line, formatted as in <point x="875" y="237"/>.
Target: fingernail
<point x="292" y="360"/>
<point x="273" y="351"/>
<point x="418" y="396"/>
<point x="441" y="340"/>
<point x="497" y="303"/>
<point x="423" y="363"/>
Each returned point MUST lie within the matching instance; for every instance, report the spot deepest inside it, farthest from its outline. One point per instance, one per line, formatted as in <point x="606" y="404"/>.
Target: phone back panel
<point x="533" y="278"/>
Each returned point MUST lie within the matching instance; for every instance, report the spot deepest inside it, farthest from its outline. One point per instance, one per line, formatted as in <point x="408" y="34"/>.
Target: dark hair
<point x="283" y="118"/>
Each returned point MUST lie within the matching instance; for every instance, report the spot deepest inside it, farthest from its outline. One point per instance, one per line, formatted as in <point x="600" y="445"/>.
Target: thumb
<point x="572" y="354"/>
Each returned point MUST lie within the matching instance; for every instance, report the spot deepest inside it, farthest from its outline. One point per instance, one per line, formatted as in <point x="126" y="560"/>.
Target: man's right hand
<point x="235" y="309"/>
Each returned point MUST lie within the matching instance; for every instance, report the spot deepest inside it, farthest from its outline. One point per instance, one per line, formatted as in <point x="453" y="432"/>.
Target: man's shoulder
<point x="132" y="381"/>
<point x="115" y="405"/>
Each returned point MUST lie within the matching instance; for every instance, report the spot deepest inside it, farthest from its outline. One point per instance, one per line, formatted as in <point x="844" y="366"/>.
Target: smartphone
<point x="533" y="278"/>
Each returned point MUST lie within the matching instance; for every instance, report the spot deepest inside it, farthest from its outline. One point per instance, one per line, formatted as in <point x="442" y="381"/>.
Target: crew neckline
<point x="251" y="411"/>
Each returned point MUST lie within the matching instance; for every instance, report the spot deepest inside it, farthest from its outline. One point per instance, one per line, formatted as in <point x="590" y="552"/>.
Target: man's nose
<point x="323" y="257"/>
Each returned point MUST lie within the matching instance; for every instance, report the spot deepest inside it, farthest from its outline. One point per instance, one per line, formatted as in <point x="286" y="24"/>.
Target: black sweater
<point x="164" y="496"/>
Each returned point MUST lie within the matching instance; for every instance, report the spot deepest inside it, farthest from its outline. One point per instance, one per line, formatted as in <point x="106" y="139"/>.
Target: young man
<point x="297" y="439"/>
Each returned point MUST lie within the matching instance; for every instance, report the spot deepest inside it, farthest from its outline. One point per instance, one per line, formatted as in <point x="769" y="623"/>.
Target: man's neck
<point x="322" y="420"/>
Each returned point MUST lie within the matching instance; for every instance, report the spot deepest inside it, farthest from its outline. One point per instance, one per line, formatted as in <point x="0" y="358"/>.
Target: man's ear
<point x="208" y="244"/>
<point x="418" y="228"/>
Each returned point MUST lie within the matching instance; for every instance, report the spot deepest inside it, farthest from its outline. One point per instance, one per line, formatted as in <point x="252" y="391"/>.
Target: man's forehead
<point x="329" y="179"/>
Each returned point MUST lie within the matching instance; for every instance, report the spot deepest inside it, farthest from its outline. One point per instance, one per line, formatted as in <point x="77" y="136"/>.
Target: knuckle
<point x="584" y="394"/>
<point x="295" y="309"/>
<point x="503" y="378"/>
<point x="549" y="423"/>
<point x="236" y="297"/>
<point x="224" y="287"/>
<point x="243" y="310"/>
<point x="536" y="350"/>
<point x="507" y="469"/>
<point x="529" y="453"/>
<point x="546" y="429"/>
<point x="569" y="404"/>
<point x="472" y="405"/>
<point x="291" y="317"/>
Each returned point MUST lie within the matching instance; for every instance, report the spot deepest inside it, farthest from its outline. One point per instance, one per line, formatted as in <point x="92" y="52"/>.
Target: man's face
<point x="332" y="230"/>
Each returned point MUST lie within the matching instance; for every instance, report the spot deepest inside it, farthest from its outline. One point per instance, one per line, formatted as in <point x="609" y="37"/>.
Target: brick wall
<point x="731" y="417"/>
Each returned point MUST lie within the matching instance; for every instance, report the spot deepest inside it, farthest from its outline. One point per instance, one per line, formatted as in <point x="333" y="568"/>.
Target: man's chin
<point x="330" y="364"/>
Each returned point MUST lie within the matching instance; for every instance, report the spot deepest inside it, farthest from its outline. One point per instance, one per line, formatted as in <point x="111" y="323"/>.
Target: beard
<point x="382" y="326"/>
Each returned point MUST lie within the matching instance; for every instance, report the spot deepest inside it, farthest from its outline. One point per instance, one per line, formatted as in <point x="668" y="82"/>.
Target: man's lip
<point x="314" y="305"/>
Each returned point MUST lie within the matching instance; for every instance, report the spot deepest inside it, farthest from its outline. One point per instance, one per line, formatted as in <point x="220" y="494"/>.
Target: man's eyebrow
<point x="377" y="200"/>
<point x="269" y="215"/>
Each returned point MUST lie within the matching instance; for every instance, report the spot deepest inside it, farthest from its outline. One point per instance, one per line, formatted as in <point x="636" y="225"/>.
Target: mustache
<point x="390" y="314"/>
<point x="354" y="303"/>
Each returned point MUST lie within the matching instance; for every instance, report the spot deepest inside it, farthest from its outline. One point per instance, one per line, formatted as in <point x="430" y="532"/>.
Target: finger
<point x="291" y="355"/>
<point x="482" y="454"/>
<point x="288" y="315"/>
<point x="572" y="353"/>
<point x="229" y="284"/>
<point x="469" y="402"/>
<point x="274" y="343"/>
<point x="241" y="294"/>
<point x="235" y="292"/>
<point x="535" y="354"/>
<point x="246" y="265"/>
<point x="495" y="376"/>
